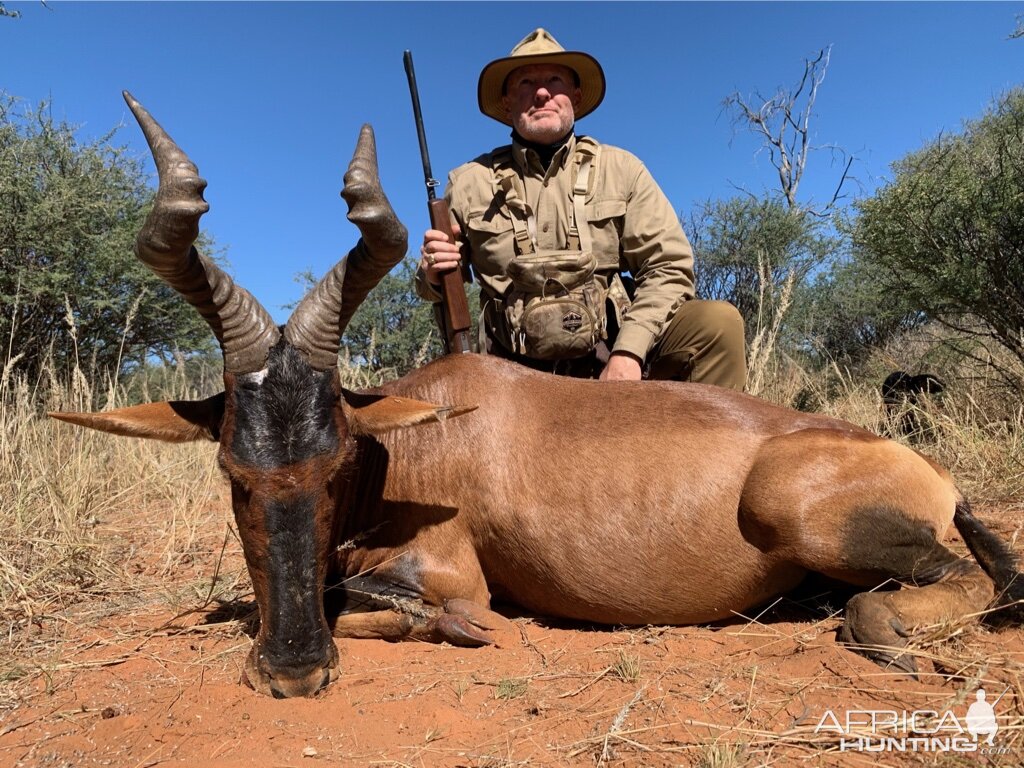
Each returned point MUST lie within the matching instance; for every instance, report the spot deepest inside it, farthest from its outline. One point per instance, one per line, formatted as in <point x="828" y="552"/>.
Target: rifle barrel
<point x="428" y="176"/>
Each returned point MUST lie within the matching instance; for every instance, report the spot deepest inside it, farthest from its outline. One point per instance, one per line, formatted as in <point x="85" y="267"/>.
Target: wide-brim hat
<point x="539" y="47"/>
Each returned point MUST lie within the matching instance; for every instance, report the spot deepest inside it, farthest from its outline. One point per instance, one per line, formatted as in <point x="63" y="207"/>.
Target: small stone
<point x="108" y="712"/>
<point x="309" y="752"/>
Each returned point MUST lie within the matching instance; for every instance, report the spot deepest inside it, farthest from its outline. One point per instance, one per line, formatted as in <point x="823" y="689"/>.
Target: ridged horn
<point x="320" y="319"/>
<point x="243" y="327"/>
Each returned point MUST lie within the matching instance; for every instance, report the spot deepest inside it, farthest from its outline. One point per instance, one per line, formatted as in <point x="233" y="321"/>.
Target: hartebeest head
<point x="284" y="427"/>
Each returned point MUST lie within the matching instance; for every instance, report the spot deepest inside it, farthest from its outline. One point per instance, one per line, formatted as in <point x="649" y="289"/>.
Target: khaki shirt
<point x="632" y="225"/>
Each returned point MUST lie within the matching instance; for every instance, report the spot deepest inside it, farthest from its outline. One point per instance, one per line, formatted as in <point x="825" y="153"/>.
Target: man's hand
<point x="622" y="366"/>
<point x="437" y="255"/>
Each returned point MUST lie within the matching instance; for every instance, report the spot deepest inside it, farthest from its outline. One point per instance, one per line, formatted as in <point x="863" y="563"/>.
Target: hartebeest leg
<point x="459" y="623"/>
<point x="378" y="606"/>
<point x="880" y="624"/>
<point x="871" y="513"/>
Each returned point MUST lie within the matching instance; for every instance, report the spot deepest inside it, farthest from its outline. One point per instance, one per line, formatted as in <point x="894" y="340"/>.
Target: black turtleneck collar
<point x="545" y="152"/>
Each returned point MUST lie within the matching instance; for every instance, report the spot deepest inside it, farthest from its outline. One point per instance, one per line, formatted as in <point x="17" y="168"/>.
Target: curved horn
<point x="317" y="324"/>
<point x="243" y="327"/>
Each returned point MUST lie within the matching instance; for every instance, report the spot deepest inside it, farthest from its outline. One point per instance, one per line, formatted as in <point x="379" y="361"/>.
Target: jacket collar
<point x="529" y="157"/>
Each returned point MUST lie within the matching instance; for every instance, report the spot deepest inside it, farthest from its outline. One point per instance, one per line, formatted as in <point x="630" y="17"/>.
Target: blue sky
<point x="267" y="98"/>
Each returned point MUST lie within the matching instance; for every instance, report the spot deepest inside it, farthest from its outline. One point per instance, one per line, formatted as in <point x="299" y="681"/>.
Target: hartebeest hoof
<point x="463" y="622"/>
<point x="458" y="631"/>
<point x="498" y="630"/>
<point x="873" y="629"/>
<point x="477" y="615"/>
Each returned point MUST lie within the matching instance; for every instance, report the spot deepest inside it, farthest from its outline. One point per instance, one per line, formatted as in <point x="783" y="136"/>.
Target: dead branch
<point x="783" y="123"/>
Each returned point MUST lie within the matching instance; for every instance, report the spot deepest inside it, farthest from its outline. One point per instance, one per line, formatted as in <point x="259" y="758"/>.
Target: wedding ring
<point x="431" y="259"/>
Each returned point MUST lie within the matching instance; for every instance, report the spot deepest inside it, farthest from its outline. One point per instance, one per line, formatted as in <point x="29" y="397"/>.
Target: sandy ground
<point x="149" y="676"/>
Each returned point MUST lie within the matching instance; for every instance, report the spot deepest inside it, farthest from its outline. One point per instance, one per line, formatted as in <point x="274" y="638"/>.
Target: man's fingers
<point x="438" y="254"/>
<point x="441" y="248"/>
<point x="435" y="263"/>
<point x="622" y="366"/>
<point x="445" y="260"/>
<point x="435" y="241"/>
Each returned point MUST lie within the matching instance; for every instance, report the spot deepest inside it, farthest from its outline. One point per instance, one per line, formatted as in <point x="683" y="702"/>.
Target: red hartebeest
<point x="613" y="502"/>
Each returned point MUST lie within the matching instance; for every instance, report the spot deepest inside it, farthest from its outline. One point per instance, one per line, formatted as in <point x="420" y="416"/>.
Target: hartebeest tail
<point x="995" y="558"/>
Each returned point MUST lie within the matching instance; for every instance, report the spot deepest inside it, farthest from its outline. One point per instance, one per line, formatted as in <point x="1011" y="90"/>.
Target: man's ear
<point x="177" y="421"/>
<point x="577" y="98"/>
<point x="377" y="414"/>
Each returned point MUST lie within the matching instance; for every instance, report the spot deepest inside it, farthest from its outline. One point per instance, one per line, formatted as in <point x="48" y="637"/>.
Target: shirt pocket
<point x="604" y="217"/>
<point x="491" y="241"/>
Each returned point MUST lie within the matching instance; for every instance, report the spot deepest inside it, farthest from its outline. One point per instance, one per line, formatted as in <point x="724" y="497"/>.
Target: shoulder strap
<point x="588" y="147"/>
<point x="501" y="156"/>
<point x="587" y="153"/>
<point x="505" y="177"/>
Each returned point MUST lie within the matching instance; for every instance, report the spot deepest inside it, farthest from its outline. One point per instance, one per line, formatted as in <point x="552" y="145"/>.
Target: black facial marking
<point x="285" y="414"/>
<point x="888" y="544"/>
<point x="296" y="636"/>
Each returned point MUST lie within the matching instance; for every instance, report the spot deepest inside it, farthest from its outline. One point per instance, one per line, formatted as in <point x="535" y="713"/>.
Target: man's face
<point x="540" y="101"/>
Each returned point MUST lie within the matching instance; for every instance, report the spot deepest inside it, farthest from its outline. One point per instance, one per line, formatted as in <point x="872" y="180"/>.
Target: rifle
<point x="454" y="306"/>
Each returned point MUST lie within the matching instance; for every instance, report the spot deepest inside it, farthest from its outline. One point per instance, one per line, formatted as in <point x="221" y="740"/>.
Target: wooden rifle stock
<point x="454" y="304"/>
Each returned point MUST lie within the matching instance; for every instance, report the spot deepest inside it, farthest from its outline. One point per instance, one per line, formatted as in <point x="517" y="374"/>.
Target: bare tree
<point x="12" y="14"/>
<point x="783" y="124"/>
<point x="1019" y="31"/>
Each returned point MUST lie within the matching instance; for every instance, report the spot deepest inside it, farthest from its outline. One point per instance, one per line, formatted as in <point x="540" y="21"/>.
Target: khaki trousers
<point x="703" y="342"/>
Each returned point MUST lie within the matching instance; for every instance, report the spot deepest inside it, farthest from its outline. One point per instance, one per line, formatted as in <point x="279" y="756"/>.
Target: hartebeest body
<point x="612" y="502"/>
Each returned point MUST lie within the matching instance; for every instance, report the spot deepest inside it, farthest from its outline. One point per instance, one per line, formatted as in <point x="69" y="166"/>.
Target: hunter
<point x="551" y="223"/>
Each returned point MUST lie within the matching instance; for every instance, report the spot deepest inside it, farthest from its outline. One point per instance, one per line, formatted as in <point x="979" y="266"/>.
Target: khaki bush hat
<point x="539" y="47"/>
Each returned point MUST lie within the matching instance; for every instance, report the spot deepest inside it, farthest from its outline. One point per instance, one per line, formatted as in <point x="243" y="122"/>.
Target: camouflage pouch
<point x="555" y="307"/>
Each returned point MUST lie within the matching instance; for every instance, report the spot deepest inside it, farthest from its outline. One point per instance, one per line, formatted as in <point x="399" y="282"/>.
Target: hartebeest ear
<point x="177" y="421"/>
<point x="377" y="414"/>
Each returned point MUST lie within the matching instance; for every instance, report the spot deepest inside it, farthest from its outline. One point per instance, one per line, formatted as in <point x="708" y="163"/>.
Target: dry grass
<point x="59" y="484"/>
<point x="627" y="667"/>
<point x="67" y="499"/>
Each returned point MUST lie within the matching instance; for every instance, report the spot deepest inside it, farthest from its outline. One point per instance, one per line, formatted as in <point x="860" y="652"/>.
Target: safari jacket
<point x="632" y="226"/>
